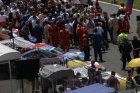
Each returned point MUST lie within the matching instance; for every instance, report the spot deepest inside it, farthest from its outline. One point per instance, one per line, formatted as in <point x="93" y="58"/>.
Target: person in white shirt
<point x="1" y="3"/>
<point x="33" y="19"/>
<point x="68" y="26"/>
<point x="3" y="19"/>
<point x="99" y="28"/>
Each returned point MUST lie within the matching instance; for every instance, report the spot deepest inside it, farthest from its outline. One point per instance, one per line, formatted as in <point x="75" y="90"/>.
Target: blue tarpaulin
<point x="95" y="88"/>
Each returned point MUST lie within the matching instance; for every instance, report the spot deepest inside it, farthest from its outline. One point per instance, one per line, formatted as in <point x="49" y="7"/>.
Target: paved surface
<point x="112" y="56"/>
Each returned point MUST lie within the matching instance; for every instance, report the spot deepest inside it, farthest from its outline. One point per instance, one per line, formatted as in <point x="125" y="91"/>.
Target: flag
<point x="96" y="1"/>
<point x="129" y="6"/>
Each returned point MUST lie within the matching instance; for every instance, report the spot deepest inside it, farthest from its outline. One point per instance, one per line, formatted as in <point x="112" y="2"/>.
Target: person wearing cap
<point x="125" y="49"/>
<point x="64" y="39"/>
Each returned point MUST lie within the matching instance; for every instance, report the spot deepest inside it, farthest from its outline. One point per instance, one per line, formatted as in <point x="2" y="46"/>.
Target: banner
<point x="129" y="6"/>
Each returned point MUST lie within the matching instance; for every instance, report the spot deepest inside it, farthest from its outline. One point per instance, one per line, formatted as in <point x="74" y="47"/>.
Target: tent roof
<point x="7" y="53"/>
<point x="95" y="88"/>
<point x="55" y="72"/>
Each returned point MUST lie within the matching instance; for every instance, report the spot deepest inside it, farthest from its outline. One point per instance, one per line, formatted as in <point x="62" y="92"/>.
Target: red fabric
<point x="120" y="27"/>
<point x="80" y="32"/>
<point x="134" y="54"/>
<point x="53" y="32"/>
<point x="127" y="23"/>
<point x="3" y="24"/>
<point x="64" y="39"/>
<point x="129" y="6"/>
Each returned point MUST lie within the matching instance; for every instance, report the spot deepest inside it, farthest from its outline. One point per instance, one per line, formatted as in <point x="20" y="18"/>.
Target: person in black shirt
<point x="86" y="49"/>
<point x="125" y="49"/>
<point x="136" y="46"/>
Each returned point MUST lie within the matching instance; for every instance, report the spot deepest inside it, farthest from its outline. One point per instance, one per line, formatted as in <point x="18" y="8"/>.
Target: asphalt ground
<point x="112" y="55"/>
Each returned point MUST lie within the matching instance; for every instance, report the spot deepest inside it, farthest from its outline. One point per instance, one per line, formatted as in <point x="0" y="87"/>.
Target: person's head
<point x="135" y="38"/>
<point x="61" y="89"/>
<point x="113" y="73"/>
<point x="129" y="73"/>
<point x="90" y="19"/>
<point x="92" y="62"/>
<point x="65" y="86"/>
<point x="84" y="40"/>
<point x="2" y="13"/>
<point x="122" y="31"/>
<point x="78" y="75"/>
<point x="51" y="23"/>
<point x="122" y="4"/>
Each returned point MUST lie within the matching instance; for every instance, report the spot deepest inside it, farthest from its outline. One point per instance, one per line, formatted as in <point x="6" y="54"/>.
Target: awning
<point x="7" y="53"/>
<point x="95" y="88"/>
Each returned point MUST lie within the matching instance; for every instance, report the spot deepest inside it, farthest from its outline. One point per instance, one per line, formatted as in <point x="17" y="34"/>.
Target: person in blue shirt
<point x="38" y="30"/>
<point x="97" y="45"/>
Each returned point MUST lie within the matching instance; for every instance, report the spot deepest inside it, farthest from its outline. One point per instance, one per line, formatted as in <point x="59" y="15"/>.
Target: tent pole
<point x="52" y="85"/>
<point x="10" y="73"/>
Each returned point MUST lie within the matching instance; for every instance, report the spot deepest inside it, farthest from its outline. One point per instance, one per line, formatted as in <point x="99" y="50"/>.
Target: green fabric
<point x="122" y="36"/>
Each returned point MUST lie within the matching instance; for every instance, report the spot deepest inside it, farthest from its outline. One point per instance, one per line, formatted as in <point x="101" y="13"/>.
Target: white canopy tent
<point x="6" y="55"/>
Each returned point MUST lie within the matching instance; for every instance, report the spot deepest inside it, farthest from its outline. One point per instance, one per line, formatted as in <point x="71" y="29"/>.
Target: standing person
<point x="91" y="72"/>
<point x="64" y="39"/>
<point x="113" y="25"/>
<point x="53" y="33"/>
<point x="125" y="49"/>
<point x="138" y="25"/>
<point x="121" y="25"/>
<point x="97" y="45"/>
<point x="75" y="33"/>
<point x="25" y="31"/>
<point x="86" y="49"/>
<point x="80" y="32"/>
<point x="136" y="46"/>
<point x="129" y="81"/>
<point x="46" y="33"/>
<point x="112" y="81"/>
<point x="3" y="19"/>
<point x="70" y="29"/>
<point x="90" y="25"/>
<point x="121" y="37"/>
<point x="38" y="32"/>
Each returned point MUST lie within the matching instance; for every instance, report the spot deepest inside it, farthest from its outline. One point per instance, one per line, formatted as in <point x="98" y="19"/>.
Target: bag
<point x="32" y="38"/>
<point x="133" y="51"/>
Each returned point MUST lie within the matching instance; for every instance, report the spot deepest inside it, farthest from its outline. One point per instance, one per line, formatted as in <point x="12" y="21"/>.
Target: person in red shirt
<point x="53" y="34"/>
<point x="126" y="20"/>
<point x="121" y="25"/>
<point x="64" y="39"/>
<point x="80" y="32"/>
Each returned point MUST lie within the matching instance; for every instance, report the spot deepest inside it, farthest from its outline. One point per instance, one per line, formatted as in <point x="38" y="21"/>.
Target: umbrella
<point x="75" y="64"/>
<point x="55" y="72"/>
<point x="134" y="63"/>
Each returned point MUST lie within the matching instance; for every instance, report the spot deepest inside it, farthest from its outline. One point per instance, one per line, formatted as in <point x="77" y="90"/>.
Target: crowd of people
<point x="64" y="24"/>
